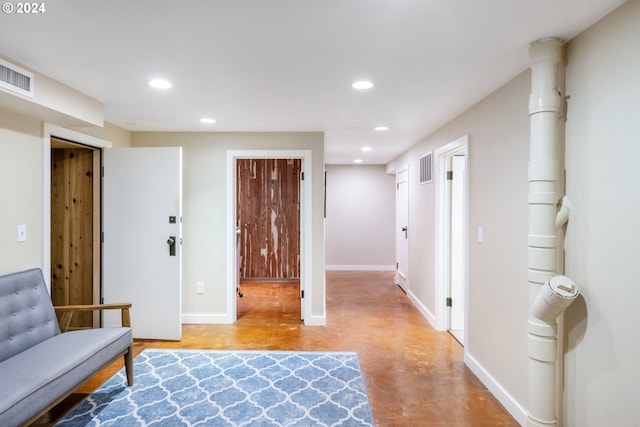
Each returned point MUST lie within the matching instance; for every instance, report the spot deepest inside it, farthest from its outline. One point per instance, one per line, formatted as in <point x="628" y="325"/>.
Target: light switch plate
<point x="22" y="233"/>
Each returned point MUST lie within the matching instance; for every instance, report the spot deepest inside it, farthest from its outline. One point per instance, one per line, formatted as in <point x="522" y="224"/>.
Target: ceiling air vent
<point x="426" y="168"/>
<point x="15" y="79"/>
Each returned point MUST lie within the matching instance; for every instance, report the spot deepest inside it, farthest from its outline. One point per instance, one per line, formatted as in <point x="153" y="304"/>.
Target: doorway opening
<point x="456" y="190"/>
<point x="268" y="238"/>
<point x="306" y="291"/>
<point x="75" y="196"/>
<point x="69" y="138"/>
<point x="452" y="240"/>
<point x="402" y="231"/>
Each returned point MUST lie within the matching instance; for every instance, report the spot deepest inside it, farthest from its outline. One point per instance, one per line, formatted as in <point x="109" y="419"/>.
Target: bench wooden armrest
<point x="68" y="310"/>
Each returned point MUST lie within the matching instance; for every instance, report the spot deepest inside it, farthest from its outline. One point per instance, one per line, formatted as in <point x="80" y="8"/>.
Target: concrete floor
<point x="415" y="376"/>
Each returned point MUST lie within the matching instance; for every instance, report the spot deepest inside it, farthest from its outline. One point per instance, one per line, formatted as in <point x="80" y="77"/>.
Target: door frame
<point x="96" y="188"/>
<point x="49" y="131"/>
<point x="401" y="240"/>
<point x="442" y="240"/>
<point x="306" y="226"/>
<point x="457" y="229"/>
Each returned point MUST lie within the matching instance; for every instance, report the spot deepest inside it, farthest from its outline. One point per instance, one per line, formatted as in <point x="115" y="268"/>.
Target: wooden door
<point x="268" y="210"/>
<point x="75" y="227"/>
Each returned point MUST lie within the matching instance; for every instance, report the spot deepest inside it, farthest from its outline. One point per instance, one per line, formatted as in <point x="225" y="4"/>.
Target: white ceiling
<point x="288" y="65"/>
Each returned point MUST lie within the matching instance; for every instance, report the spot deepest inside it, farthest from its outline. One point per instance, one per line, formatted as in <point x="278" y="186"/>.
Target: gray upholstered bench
<point x="39" y="365"/>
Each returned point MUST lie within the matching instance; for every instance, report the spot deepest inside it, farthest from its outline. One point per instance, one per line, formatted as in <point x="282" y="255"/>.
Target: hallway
<point x="414" y="375"/>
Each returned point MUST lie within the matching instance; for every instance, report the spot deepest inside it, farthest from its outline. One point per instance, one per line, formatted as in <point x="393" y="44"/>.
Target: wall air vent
<point x="15" y="79"/>
<point x="426" y="168"/>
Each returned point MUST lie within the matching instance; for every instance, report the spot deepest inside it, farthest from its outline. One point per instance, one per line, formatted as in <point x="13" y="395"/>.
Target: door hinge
<point x="102" y="171"/>
<point x="101" y="300"/>
<point x="102" y="237"/>
<point x="449" y="175"/>
<point x="302" y="293"/>
<point x="397" y="186"/>
<point x="397" y="265"/>
<point x="449" y="302"/>
<point x="301" y="176"/>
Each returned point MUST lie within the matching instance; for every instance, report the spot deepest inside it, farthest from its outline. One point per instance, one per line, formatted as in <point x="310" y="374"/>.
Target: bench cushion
<point x="37" y="377"/>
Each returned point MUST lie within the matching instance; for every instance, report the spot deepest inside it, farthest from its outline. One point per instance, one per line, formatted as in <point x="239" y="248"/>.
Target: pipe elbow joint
<point x="555" y="296"/>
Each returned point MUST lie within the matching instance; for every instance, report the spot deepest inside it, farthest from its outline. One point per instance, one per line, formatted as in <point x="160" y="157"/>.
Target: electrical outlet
<point x="200" y="288"/>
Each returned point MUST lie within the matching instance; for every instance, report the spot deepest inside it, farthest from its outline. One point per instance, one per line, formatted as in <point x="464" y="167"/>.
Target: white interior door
<point x="457" y="246"/>
<point x="402" y="230"/>
<point x="142" y="213"/>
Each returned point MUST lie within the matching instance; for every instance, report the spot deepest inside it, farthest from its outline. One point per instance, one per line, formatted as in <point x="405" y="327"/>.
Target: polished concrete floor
<point x="415" y="376"/>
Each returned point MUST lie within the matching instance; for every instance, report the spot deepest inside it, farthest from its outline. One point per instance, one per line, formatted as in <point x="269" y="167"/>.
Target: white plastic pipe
<point x="544" y="171"/>
<point x="549" y="296"/>
<point x="554" y="297"/>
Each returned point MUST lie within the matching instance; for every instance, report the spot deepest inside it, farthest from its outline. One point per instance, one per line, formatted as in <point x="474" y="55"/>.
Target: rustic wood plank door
<point x="75" y="228"/>
<point x="268" y="214"/>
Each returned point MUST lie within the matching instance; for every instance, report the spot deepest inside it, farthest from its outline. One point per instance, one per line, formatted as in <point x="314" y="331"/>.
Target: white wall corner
<point x="516" y="410"/>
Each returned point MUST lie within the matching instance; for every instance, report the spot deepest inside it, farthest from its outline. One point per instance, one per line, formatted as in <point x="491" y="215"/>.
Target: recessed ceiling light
<point x="366" y="148"/>
<point x="357" y="161"/>
<point x="362" y="84"/>
<point x="381" y="128"/>
<point x="207" y="120"/>
<point x="160" y="84"/>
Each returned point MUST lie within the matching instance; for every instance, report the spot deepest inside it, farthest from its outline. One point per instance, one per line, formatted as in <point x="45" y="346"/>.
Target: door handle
<point x="172" y="245"/>
<point x="405" y="231"/>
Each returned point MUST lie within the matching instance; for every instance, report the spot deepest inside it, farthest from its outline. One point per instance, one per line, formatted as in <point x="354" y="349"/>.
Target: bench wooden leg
<point x="128" y="365"/>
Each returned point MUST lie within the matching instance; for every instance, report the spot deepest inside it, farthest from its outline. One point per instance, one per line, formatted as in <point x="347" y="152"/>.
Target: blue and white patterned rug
<point x="231" y="388"/>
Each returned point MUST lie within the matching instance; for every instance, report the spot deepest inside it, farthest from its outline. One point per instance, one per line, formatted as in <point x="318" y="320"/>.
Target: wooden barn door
<point x="268" y="210"/>
<point x="75" y="227"/>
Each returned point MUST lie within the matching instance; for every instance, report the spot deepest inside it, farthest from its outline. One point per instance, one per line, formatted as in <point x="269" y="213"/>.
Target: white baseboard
<point x="194" y="319"/>
<point x="423" y="310"/>
<point x="510" y="404"/>
<point x="212" y="319"/>
<point x="505" y="399"/>
<point x="315" y="321"/>
<point x="360" y="267"/>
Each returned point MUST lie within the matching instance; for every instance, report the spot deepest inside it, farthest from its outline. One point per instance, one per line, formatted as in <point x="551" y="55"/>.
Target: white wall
<point x="602" y="150"/>
<point x="21" y="196"/>
<point x="498" y="129"/>
<point x="602" y="147"/>
<point x="360" y="219"/>
<point x="204" y="210"/>
<point x="117" y="136"/>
